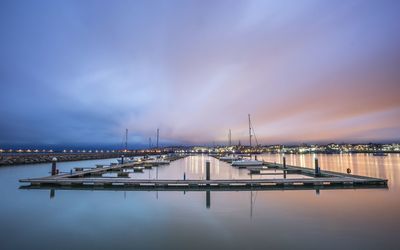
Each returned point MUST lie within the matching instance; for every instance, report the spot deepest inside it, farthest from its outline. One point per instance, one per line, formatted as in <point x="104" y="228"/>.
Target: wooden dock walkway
<point x="199" y="183"/>
<point x="200" y="188"/>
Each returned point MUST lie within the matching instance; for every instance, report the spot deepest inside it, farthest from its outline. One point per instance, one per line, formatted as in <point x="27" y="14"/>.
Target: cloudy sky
<point x="74" y="72"/>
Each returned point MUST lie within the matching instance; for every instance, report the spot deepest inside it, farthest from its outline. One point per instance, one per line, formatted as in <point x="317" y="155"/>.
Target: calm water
<point x="332" y="219"/>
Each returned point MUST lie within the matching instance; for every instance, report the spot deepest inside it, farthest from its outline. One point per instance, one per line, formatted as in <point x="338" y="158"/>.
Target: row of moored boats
<point x="238" y="161"/>
<point x="157" y="160"/>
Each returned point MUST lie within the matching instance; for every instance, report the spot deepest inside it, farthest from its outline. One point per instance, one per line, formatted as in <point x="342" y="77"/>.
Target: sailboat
<point x="247" y="162"/>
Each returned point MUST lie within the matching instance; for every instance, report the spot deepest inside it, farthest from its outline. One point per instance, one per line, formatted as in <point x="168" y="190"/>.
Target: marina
<point x="200" y="125"/>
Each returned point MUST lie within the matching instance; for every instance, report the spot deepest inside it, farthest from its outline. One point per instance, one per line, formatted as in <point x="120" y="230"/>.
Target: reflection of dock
<point x="248" y="183"/>
<point x="195" y="189"/>
<point x="92" y="178"/>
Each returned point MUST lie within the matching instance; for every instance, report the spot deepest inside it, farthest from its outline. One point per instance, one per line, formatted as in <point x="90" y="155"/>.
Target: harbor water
<point x="274" y="219"/>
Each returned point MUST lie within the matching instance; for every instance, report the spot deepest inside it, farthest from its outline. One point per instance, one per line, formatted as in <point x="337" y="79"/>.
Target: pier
<point x="92" y="178"/>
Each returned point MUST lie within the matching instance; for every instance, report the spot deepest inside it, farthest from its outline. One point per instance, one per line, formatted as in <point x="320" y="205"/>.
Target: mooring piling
<point x="284" y="162"/>
<point x="54" y="166"/>
<point x="317" y="169"/>
<point x="207" y="170"/>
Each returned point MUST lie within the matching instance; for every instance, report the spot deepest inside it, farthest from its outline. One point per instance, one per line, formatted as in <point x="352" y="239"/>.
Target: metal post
<point x="158" y="136"/>
<point x="126" y="139"/>
<point x="122" y="159"/>
<point x="207" y="170"/>
<point x="54" y="166"/>
<point x="284" y="162"/>
<point x="317" y="170"/>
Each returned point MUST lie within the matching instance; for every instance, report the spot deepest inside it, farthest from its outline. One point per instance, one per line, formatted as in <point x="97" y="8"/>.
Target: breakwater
<point x="26" y="158"/>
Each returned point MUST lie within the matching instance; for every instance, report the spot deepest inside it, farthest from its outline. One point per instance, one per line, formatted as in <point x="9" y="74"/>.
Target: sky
<point x="81" y="72"/>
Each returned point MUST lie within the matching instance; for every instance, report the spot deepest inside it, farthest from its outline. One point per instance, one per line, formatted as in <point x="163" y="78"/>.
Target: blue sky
<point x="80" y="72"/>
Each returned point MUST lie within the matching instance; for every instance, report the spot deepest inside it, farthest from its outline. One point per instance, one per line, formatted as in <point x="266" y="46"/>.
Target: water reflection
<point x="208" y="199"/>
<point x="52" y="193"/>
<point x="193" y="168"/>
<point x="292" y="219"/>
<point x="360" y="164"/>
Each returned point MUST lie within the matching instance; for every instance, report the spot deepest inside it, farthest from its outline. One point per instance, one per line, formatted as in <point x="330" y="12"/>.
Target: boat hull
<point x="247" y="163"/>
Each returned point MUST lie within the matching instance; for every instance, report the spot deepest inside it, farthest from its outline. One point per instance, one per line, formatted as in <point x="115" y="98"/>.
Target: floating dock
<point x="92" y="179"/>
<point x="127" y="182"/>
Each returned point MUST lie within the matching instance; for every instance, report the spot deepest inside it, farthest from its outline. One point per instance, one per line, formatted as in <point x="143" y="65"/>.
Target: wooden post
<point x="207" y="170"/>
<point x="54" y="166"/>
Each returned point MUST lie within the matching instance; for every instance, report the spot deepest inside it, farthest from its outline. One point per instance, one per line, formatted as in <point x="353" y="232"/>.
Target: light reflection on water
<point x="386" y="167"/>
<point x="75" y="219"/>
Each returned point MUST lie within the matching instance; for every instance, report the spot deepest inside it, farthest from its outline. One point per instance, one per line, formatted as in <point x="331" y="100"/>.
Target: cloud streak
<point x="82" y="72"/>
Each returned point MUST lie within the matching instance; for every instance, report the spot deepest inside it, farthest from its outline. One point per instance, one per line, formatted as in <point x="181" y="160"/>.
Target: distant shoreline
<point x="36" y="158"/>
<point x="11" y="159"/>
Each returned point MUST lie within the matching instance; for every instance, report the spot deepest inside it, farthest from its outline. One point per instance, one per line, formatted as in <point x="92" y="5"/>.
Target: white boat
<point x="229" y="158"/>
<point x="246" y="163"/>
<point x="158" y="161"/>
<point x="126" y="160"/>
<point x="380" y="154"/>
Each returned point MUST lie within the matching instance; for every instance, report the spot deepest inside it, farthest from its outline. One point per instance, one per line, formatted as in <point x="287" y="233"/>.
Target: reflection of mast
<point x="251" y="202"/>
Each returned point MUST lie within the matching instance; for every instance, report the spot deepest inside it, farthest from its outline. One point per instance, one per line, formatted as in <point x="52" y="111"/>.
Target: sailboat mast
<point x="126" y="139"/>
<point x="158" y="135"/>
<point x="250" y="130"/>
<point x="230" y="138"/>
